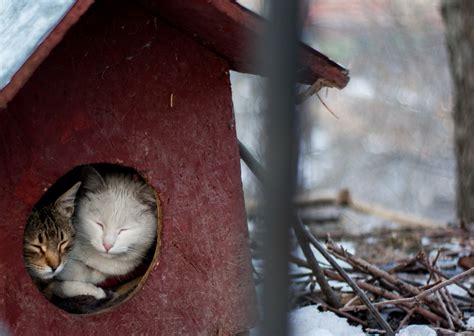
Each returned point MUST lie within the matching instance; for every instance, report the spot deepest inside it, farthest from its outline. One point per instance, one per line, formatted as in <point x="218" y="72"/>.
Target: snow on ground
<point x="454" y="289"/>
<point x="470" y="323"/>
<point x="309" y="321"/>
<point x="417" y="330"/>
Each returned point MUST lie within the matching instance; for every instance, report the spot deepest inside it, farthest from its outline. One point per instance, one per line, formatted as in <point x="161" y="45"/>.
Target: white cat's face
<point x="114" y="219"/>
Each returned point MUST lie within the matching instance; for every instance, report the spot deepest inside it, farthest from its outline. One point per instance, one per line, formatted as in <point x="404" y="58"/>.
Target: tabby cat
<point x="49" y="237"/>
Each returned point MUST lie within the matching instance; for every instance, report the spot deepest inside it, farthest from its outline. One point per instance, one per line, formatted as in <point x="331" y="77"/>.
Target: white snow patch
<point x="417" y="330"/>
<point x="455" y="289"/>
<point x="425" y="241"/>
<point x="24" y="24"/>
<point x="470" y="323"/>
<point x="309" y="321"/>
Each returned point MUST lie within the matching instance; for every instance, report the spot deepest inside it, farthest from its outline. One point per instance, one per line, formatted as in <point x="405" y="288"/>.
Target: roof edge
<point x="232" y="32"/>
<point x="225" y="27"/>
<point x="43" y="50"/>
<point x="315" y="65"/>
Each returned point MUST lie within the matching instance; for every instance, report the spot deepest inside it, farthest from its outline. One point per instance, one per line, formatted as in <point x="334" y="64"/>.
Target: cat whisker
<point x="130" y="248"/>
<point x="135" y="254"/>
<point x="138" y="254"/>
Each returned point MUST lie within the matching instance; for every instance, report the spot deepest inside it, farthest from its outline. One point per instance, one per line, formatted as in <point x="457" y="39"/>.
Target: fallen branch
<point x="385" y="294"/>
<point x="442" y="275"/>
<point x="365" y="266"/>
<point x="259" y="172"/>
<point x="255" y="167"/>
<point x="376" y="314"/>
<point x="344" y="199"/>
<point x="443" y="284"/>
<point x="423" y="295"/>
<point x="433" y="302"/>
<point x="402" y="286"/>
<point x="304" y="243"/>
<point x="444" y="294"/>
<point x="445" y="311"/>
<point x="405" y="319"/>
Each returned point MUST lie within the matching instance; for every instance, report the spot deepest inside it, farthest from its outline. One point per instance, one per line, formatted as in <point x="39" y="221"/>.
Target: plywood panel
<point x="122" y="87"/>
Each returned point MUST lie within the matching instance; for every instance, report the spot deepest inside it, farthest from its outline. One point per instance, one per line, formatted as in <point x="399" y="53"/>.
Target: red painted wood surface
<point x="222" y="26"/>
<point x="104" y="95"/>
<point x="233" y="32"/>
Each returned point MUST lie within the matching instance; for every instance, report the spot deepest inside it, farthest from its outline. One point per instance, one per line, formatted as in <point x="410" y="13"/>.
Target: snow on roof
<point x="24" y="25"/>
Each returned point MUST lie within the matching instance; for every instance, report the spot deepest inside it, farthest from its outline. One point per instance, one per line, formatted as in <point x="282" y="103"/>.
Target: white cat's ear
<point x="91" y="179"/>
<point x="65" y="203"/>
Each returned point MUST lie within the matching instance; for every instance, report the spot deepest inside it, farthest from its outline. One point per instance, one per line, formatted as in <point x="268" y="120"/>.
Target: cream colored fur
<point x="115" y="211"/>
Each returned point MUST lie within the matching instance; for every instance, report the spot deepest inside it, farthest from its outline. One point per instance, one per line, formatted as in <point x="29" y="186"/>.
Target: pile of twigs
<point x="388" y="293"/>
<point x="377" y="294"/>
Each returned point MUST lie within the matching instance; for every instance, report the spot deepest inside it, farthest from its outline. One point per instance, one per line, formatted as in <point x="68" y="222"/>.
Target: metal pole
<point x="279" y="61"/>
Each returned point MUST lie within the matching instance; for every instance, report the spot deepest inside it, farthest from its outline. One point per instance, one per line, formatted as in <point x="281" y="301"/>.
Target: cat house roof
<point x="31" y="30"/>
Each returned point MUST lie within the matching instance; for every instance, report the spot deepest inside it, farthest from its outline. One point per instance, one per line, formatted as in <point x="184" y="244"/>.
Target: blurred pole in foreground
<point x="279" y="63"/>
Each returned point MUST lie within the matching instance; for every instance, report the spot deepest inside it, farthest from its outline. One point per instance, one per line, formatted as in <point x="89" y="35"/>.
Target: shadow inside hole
<point x="118" y="289"/>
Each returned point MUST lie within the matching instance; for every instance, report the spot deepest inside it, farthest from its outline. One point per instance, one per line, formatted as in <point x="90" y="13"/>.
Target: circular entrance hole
<point x="93" y="238"/>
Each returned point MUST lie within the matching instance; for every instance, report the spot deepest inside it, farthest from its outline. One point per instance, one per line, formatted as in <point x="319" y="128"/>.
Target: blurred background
<point x="391" y="141"/>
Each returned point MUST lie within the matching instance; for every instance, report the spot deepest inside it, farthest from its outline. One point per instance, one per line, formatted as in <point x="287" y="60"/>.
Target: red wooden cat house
<point x="143" y="84"/>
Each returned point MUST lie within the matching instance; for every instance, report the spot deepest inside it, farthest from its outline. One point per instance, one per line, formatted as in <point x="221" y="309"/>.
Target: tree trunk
<point x="458" y="16"/>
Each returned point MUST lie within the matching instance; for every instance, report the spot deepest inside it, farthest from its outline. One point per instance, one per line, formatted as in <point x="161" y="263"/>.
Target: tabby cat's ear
<point x="65" y="203"/>
<point x="91" y="179"/>
<point x="146" y="195"/>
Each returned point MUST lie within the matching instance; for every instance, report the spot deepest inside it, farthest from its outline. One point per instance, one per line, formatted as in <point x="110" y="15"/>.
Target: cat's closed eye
<point x="37" y="248"/>
<point x="100" y="225"/>
<point x="64" y="246"/>
<point x="122" y="230"/>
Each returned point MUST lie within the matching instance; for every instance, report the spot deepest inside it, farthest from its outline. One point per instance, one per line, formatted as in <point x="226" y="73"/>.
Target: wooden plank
<point x="232" y="32"/>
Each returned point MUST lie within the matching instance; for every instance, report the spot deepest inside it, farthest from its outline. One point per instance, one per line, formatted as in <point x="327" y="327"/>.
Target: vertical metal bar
<point x="279" y="61"/>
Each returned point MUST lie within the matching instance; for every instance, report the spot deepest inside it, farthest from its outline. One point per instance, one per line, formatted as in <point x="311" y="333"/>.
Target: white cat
<point x="115" y="226"/>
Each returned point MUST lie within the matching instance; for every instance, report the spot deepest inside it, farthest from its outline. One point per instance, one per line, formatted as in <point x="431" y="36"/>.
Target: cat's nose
<point x="53" y="262"/>
<point x="107" y="246"/>
<point x="53" y="266"/>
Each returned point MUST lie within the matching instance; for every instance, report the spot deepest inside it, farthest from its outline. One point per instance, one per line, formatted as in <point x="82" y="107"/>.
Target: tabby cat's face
<point x="49" y="237"/>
